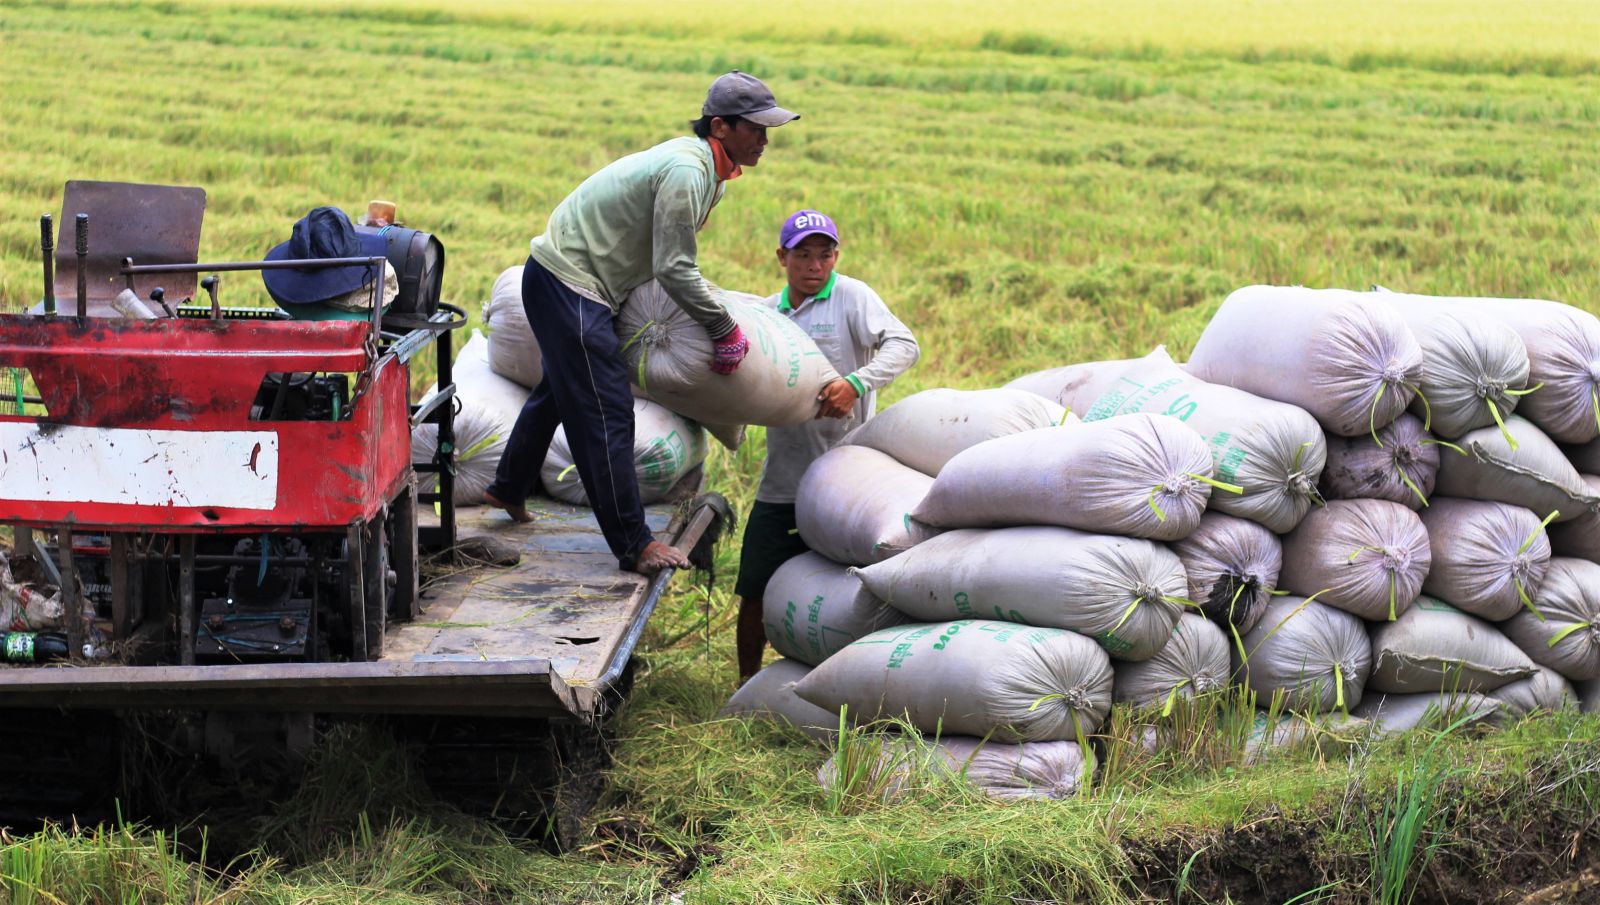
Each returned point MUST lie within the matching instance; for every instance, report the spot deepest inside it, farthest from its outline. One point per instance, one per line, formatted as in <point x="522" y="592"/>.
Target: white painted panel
<point x="66" y="464"/>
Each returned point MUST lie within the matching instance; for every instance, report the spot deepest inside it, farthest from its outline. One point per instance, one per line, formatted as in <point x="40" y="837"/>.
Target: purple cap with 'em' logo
<point x="806" y="223"/>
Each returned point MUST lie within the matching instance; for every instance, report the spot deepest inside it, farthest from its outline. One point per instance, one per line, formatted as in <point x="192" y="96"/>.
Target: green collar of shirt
<point x="827" y="289"/>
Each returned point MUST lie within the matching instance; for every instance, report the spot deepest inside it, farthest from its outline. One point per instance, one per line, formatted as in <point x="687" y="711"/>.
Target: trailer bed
<point x="566" y="605"/>
<point x="543" y="638"/>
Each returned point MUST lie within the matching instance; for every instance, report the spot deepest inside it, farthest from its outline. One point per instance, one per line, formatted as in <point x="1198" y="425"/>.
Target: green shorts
<point x="770" y="540"/>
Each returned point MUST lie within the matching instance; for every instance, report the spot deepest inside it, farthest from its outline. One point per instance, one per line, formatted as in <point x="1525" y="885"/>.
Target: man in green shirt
<point x="633" y="221"/>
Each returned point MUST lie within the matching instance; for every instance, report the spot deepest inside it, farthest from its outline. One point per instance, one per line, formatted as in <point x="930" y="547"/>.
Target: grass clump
<point x="122" y="865"/>
<point x="865" y="768"/>
<point x="1409" y="829"/>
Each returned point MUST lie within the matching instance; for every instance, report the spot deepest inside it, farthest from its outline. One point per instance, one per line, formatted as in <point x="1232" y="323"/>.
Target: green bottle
<point x="34" y="647"/>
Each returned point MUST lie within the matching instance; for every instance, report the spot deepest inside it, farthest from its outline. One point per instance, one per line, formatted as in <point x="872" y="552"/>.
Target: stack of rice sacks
<point x="1026" y="550"/>
<point x="1361" y="527"/>
<point x="1436" y="492"/>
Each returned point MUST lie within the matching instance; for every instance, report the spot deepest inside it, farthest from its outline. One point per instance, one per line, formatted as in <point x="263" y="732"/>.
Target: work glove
<point x="729" y="351"/>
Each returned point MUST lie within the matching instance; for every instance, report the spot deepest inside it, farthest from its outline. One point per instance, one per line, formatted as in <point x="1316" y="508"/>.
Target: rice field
<point x="1026" y="184"/>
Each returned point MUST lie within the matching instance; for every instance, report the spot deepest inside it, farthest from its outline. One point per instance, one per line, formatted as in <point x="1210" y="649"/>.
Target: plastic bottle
<point x="34" y="647"/>
<point x="128" y="305"/>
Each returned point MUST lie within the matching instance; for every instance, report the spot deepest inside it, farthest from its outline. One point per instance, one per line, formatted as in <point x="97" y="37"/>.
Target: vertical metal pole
<point x="83" y="267"/>
<point x="121" y="590"/>
<point x="22" y="542"/>
<point x="139" y="577"/>
<point x="447" y="440"/>
<point x="71" y="601"/>
<point x="374" y="567"/>
<point x="47" y="244"/>
<point x="377" y="304"/>
<point x="186" y="607"/>
<point x="354" y="566"/>
<point x="403" y="557"/>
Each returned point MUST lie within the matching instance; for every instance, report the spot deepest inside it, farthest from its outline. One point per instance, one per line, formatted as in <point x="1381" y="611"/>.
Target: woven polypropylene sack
<point x="1536" y="474"/>
<point x="1345" y="358"/>
<point x="1123" y="592"/>
<point x="1233" y="568"/>
<point x="731" y="436"/>
<point x="513" y="350"/>
<point x="1074" y="387"/>
<point x="728" y="435"/>
<point x="478" y="384"/>
<point x="668" y="355"/>
<point x="1314" y="656"/>
<point x="1473" y="366"/>
<point x="1488" y="558"/>
<point x="1324" y="734"/>
<point x="854" y="505"/>
<point x="1579" y="537"/>
<point x="1271" y="450"/>
<point x="1400" y="466"/>
<point x="1366" y="557"/>
<point x="29" y="607"/>
<point x="1139" y="476"/>
<point x="486" y="409"/>
<point x="1542" y="691"/>
<point x="813" y="607"/>
<point x="995" y="680"/>
<point x="1195" y="660"/>
<point x="1035" y="770"/>
<point x="1041" y="770"/>
<point x="479" y="446"/>
<point x="1565" y="632"/>
<point x="1389" y="714"/>
<point x="769" y="694"/>
<point x="1435" y="647"/>
<point x="666" y="446"/>
<point x="924" y="430"/>
<point x="1563" y="346"/>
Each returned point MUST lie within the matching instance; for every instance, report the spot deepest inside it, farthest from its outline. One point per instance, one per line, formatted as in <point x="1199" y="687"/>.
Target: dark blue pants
<point x="585" y="388"/>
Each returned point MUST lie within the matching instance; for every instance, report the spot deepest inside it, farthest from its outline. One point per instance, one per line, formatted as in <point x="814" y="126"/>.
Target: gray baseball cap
<point x="743" y="95"/>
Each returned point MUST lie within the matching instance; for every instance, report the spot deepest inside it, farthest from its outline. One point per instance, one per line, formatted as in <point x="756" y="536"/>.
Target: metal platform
<point x="544" y="638"/>
<point x="566" y="606"/>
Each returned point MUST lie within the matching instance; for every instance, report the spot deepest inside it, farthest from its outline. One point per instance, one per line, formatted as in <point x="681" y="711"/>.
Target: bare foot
<point x="658" y="556"/>
<point x="518" y="512"/>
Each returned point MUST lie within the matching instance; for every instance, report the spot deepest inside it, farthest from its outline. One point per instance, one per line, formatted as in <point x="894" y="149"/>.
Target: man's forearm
<point x="693" y="294"/>
<point x="893" y="358"/>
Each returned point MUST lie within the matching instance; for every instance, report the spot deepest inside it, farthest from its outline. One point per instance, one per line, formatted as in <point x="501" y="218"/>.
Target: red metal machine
<point x="228" y="501"/>
<point x="238" y="443"/>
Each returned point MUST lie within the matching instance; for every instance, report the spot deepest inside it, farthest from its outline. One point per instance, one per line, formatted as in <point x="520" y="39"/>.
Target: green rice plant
<point x="1128" y="750"/>
<point x="868" y="765"/>
<point x="23" y="866"/>
<point x="871" y="765"/>
<point x="1318" y="894"/>
<point x="1212" y="731"/>
<point x="1410" y="828"/>
<point x="1183" y="876"/>
<point x="1187" y="735"/>
<point x="120" y="865"/>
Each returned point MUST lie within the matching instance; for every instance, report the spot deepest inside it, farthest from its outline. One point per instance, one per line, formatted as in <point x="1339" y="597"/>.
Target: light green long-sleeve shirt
<point x="635" y="220"/>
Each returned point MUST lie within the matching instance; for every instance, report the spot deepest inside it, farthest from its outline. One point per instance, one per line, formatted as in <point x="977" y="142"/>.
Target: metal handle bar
<point x="130" y="270"/>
